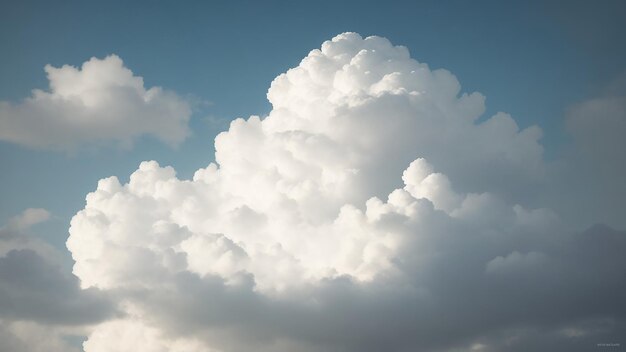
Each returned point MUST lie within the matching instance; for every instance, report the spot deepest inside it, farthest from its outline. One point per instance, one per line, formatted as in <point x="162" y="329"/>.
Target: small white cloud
<point x="99" y="103"/>
<point x="28" y="218"/>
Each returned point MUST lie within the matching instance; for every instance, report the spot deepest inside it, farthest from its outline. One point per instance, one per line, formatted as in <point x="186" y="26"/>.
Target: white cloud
<point x="359" y="215"/>
<point x="98" y="103"/>
<point x="28" y="218"/>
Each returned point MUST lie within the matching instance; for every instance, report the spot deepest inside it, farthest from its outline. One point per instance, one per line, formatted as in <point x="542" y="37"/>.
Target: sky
<point x="298" y="176"/>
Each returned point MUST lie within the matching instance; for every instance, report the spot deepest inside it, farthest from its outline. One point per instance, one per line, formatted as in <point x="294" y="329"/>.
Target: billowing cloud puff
<point x="100" y="102"/>
<point x="370" y="210"/>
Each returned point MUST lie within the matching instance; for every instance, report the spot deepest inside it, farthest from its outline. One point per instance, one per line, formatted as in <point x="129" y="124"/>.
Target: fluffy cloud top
<point x="100" y="102"/>
<point x="368" y="211"/>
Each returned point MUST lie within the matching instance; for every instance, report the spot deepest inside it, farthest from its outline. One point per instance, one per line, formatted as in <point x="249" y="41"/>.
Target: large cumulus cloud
<point x="370" y="210"/>
<point x="99" y="103"/>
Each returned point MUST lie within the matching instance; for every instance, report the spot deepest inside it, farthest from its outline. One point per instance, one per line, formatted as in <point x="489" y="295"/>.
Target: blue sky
<point x="559" y="65"/>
